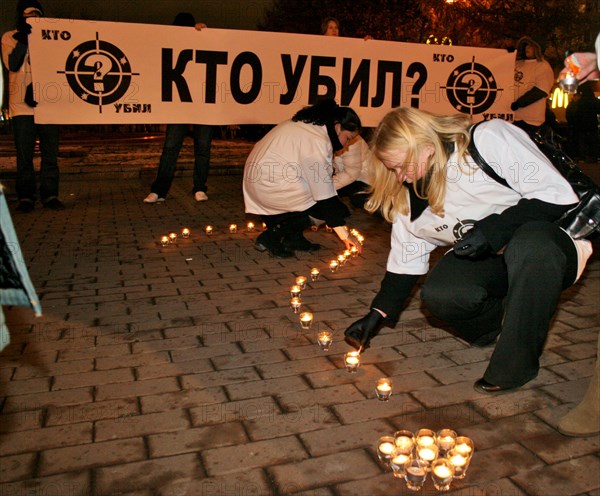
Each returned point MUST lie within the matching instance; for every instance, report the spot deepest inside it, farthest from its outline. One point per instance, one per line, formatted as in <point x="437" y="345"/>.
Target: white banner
<point x="89" y="72"/>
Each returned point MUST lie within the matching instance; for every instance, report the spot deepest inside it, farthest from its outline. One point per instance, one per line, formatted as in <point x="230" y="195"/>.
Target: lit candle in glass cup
<point x="164" y="240"/>
<point x="416" y="473"/>
<point x="354" y="232"/>
<point x="306" y="319"/>
<point x="446" y="439"/>
<point x="341" y="260"/>
<point x="465" y="446"/>
<point x="233" y="228"/>
<point x="361" y="239"/>
<point x="383" y="389"/>
<point x="295" y="291"/>
<point x="352" y="361"/>
<point x="404" y="440"/>
<point x="185" y="233"/>
<point x="347" y="253"/>
<point x="385" y="448"/>
<point x="325" y="338"/>
<point x="354" y="251"/>
<point x="208" y="229"/>
<point x="295" y="303"/>
<point x="172" y="237"/>
<point x="301" y="281"/>
<point x="328" y="229"/>
<point x="425" y="437"/>
<point x="334" y="265"/>
<point x="442" y="473"/>
<point x="314" y="228"/>
<point x="250" y="226"/>
<point x="427" y="453"/>
<point x="314" y="274"/>
<point x="398" y="462"/>
<point x="460" y="462"/>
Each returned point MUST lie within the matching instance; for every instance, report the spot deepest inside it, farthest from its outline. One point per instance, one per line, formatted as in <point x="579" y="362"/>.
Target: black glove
<point x="514" y="106"/>
<point x="473" y="244"/>
<point x="22" y="33"/>
<point x="359" y="334"/>
<point x="29" y="100"/>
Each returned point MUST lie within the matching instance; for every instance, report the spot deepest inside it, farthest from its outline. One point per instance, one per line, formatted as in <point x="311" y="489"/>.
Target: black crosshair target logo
<point x="471" y="88"/>
<point x="462" y="227"/>
<point x="98" y="72"/>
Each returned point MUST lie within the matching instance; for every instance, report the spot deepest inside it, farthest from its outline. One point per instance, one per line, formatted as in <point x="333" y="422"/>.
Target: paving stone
<point x="140" y="425"/>
<point x="76" y="484"/>
<point x="137" y="388"/>
<point x="250" y="482"/>
<point x="16" y="467"/>
<point x="181" y="399"/>
<point x="90" y="412"/>
<point x="49" y="437"/>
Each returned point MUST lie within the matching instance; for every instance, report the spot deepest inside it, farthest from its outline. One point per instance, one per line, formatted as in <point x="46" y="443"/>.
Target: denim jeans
<point x="168" y="160"/>
<point x="25" y="133"/>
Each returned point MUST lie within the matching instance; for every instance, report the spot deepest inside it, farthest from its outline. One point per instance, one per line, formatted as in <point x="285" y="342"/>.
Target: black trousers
<point x="514" y="294"/>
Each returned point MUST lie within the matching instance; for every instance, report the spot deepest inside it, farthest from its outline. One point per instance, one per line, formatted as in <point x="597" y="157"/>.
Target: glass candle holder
<point x="383" y="389"/>
<point x="446" y="440"/>
<point x="295" y="291"/>
<point x="185" y="233"/>
<point x="569" y="83"/>
<point x="250" y="226"/>
<point x="354" y="251"/>
<point x="347" y="253"/>
<point x="334" y="265"/>
<point x="385" y="448"/>
<point x="328" y="229"/>
<point x="354" y="232"/>
<point x="295" y="303"/>
<point x="404" y="440"/>
<point x="233" y="228"/>
<point x="314" y="228"/>
<point x="209" y="229"/>
<point x="301" y="281"/>
<point x="352" y="361"/>
<point x="398" y="462"/>
<point x="442" y="473"/>
<point x="306" y="320"/>
<point x="325" y="338"/>
<point x="416" y="473"/>
<point x="173" y="237"/>
<point x="465" y="446"/>
<point x="341" y="260"/>
<point x="361" y="239"/>
<point x="460" y="463"/>
<point x="314" y="274"/>
<point x="425" y="437"/>
<point x="164" y="240"/>
<point x="427" y="453"/>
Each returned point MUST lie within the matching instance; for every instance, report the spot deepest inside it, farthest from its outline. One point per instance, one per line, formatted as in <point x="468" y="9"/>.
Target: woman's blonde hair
<point x="410" y="130"/>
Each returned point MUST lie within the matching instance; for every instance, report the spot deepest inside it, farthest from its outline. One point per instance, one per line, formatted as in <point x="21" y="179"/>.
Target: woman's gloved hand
<point x="473" y="244"/>
<point x="360" y="333"/>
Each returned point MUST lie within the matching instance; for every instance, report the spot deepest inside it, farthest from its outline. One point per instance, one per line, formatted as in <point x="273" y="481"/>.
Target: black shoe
<point x="483" y="386"/>
<point x="54" y="204"/>
<point x="266" y="242"/>
<point x="25" y="206"/>
<point x="297" y="241"/>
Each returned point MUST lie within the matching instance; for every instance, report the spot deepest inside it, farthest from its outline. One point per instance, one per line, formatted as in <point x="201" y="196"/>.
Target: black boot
<point x="271" y="240"/>
<point x="293" y="238"/>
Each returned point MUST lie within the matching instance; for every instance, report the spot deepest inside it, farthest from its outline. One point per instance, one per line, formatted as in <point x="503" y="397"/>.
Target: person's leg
<point x="541" y="261"/>
<point x="49" y="173"/>
<point x="468" y="294"/>
<point x="584" y="419"/>
<point x="24" y="134"/>
<point x="202" y="142"/>
<point x="271" y="238"/>
<point x="174" y="136"/>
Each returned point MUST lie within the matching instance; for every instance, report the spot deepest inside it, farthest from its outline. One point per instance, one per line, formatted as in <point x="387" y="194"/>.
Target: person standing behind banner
<point x="533" y="82"/>
<point x="21" y="104"/>
<point x="174" y="137"/>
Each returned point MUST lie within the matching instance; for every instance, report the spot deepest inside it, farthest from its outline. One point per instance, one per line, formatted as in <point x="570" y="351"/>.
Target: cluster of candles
<point x="172" y="237"/>
<point x="412" y="456"/>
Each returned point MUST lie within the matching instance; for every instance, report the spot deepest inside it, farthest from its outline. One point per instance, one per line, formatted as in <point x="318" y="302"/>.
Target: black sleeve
<point x="332" y="211"/>
<point x="532" y="96"/>
<point x="499" y="228"/>
<point x="395" y="289"/>
<point x="17" y="57"/>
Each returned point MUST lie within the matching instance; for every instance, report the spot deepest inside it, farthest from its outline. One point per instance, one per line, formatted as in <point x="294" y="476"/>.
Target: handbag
<point x="579" y="222"/>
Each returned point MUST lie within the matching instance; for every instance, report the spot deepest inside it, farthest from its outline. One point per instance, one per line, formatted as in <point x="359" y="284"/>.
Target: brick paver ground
<point x="181" y="370"/>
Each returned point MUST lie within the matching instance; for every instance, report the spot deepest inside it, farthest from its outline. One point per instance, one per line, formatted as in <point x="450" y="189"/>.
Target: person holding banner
<point x="508" y="261"/>
<point x="174" y="137"/>
<point x="288" y="178"/>
<point x="21" y="104"/>
<point x="533" y="82"/>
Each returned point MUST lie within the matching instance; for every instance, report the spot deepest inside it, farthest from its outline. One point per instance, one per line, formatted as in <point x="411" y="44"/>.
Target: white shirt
<point x="530" y="73"/>
<point x="472" y="195"/>
<point x="17" y="80"/>
<point x="352" y="165"/>
<point x="289" y="169"/>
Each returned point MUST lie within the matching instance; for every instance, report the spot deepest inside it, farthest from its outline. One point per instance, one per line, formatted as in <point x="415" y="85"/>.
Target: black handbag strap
<point x="480" y="161"/>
